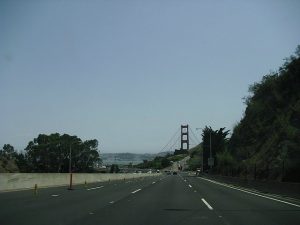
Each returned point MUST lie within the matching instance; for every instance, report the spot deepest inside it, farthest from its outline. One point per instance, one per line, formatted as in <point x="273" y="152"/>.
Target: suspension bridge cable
<point x="193" y="139"/>
<point x="177" y="142"/>
<point x="170" y="140"/>
<point x="195" y="135"/>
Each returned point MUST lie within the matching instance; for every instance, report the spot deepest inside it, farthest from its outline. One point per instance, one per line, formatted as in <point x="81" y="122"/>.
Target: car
<point x="174" y="173"/>
<point x="198" y="171"/>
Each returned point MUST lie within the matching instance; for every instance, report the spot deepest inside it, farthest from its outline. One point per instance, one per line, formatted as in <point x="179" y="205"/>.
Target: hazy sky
<point x="128" y="73"/>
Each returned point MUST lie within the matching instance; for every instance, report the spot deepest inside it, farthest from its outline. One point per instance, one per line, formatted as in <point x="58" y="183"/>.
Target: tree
<point x="214" y="141"/>
<point x="8" y="159"/>
<point x="8" y="151"/>
<point x="22" y="163"/>
<point x="51" y="153"/>
<point x="165" y="162"/>
<point x="114" y="168"/>
<point x="226" y="162"/>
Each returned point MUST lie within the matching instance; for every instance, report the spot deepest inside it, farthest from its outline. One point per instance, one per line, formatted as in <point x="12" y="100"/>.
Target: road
<point x="164" y="200"/>
<point x="175" y="165"/>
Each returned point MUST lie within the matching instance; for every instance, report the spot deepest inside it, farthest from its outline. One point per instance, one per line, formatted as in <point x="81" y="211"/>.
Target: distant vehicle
<point x="174" y="173"/>
<point x="168" y="172"/>
<point x="157" y="171"/>
<point x="198" y="171"/>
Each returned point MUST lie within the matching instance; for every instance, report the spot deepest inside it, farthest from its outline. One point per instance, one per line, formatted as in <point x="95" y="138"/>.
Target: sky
<point x="129" y="73"/>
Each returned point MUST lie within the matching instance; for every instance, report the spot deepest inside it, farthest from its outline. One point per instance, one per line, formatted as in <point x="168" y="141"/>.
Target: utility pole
<point x="210" y="153"/>
<point x="210" y="159"/>
<point x="70" y="168"/>
<point x="202" y="153"/>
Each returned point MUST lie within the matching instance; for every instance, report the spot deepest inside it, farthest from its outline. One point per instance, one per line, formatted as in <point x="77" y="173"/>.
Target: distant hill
<point x="127" y="158"/>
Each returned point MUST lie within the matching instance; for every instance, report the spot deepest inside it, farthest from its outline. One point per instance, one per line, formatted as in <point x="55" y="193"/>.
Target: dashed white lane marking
<point x="153" y="182"/>
<point x="94" y="188"/>
<point x="249" y="192"/>
<point x="206" y="203"/>
<point x="184" y="180"/>
<point x="190" y="185"/>
<point x="112" y="202"/>
<point x="54" y="195"/>
<point x="136" y="191"/>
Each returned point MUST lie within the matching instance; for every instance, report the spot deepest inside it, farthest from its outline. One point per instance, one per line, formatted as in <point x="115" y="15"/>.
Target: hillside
<point x="266" y="142"/>
<point x="195" y="160"/>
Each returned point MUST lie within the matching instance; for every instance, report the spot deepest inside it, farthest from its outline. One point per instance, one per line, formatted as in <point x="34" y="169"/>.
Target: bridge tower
<point x="185" y="145"/>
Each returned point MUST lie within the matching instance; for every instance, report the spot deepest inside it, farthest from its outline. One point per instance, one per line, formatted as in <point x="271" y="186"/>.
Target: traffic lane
<point x="42" y="194"/>
<point x="238" y="207"/>
<point x="45" y="192"/>
<point x="47" y="207"/>
<point x="170" y="201"/>
<point x="65" y="205"/>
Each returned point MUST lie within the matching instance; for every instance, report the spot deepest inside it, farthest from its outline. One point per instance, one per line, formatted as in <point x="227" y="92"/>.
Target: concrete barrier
<point x="19" y="181"/>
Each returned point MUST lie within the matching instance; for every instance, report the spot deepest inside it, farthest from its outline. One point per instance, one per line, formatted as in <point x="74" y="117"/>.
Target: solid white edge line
<point x="136" y="191"/>
<point x="206" y="203"/>
<point x="249" y="192"/>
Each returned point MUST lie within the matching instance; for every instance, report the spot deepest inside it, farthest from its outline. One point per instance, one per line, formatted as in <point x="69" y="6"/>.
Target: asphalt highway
<point x="164" y="200"/>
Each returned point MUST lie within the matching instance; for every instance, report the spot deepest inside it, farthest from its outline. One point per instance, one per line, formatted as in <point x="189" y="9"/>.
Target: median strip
<point x="206" y="203"/>
<point x="136" y="191"/>
<point x="249" y="192"/>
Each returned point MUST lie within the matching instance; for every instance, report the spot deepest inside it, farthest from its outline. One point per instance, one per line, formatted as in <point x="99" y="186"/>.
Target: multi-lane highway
<point x="173" y="199"/>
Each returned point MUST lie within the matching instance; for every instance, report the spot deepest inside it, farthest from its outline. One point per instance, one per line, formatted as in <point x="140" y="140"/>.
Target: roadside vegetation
<point x="161" y="162"/>
<point x="195" y="160"/>
<point x="265" y="144"/>
<point x="8" y="159"/>
<point x="51" y="153"/>
<point x="158" y="162"/>
<point x="175" y="158"/>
